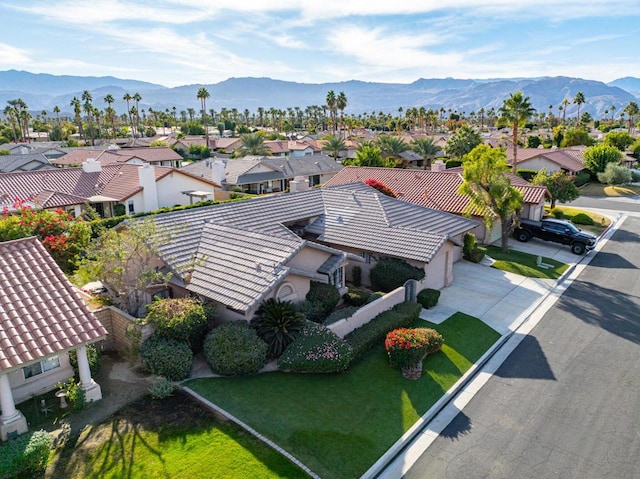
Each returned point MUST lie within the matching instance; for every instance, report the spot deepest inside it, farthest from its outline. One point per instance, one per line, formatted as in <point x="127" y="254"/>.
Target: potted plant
<point x="407" y="347"/>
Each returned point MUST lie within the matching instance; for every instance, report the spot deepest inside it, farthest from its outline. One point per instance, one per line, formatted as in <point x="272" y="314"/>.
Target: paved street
<point x="566" y="403"/>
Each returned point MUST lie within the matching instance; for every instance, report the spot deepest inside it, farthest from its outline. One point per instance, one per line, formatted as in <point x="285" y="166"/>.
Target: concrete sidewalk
<point x="496" y="297"/>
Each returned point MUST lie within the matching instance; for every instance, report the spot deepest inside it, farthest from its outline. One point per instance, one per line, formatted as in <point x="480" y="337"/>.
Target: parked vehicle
<point x="558" y="231"/>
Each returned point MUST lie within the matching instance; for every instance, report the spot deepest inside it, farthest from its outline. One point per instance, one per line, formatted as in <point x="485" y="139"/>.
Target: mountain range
<point x="43" y="92"/>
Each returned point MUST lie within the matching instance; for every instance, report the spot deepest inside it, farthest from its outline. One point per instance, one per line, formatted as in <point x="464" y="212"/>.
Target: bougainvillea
<point x="406" y="347"/>
<point x="63" y="235"/>
<point x="381" y="187"/>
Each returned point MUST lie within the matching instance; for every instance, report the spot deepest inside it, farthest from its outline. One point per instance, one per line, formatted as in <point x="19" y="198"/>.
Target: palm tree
<point x="253" y="144"/>
<point x="137" y="98"/>
<point x="334" y="145"/>
<point x="426" y="148"/>
<point x="77" y="110"/>
<point x="516" y="110"/>
<point x="109" y="100"/>
<point x="392" y="146"/>
<point x="56" y="110"/>
<point x="127" y="97"/>
<point x="632" y="110"/>
<point x="579" y="100"/>
<point x="88" y="109"/>
<point x="202" y="95"/>
<point x="341" y="104"/>
<point x="331" y="105"/>
<point x="564" y="102"/>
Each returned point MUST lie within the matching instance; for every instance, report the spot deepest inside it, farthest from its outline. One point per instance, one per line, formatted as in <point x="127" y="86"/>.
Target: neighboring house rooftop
<point x="41" y="313"/>
<point x="567" y="158"/>
<point x="234" y="250"/>
<point x="28" y="162"/>
<point x="116" y="155"/>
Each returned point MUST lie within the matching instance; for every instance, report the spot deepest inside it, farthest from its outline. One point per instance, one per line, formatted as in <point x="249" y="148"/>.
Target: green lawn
<point x="599" y="189"/>
<point x="525" y="264"/>
<point x="173" y="438"/>
<point x="340" y="424"/>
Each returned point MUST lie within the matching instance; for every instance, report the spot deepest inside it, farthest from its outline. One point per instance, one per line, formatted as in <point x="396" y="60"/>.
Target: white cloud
<point x="11" y="56"/>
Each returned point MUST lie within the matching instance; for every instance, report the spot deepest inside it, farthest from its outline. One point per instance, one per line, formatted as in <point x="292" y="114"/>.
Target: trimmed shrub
<point x="469" y="243"/>
<point x="235" y="349"/>
<point x="356" y="274"/>
<point x="615" y="174"/>
<point x="161" y="388"/>
<point x="582" y="219"/>
<point x="25" y="456"/>
<point x="94" y="357"/>
<point x="635" y="176"/>
<point x="375" y="296"/>
<point x="453" y="163"/>
<point x="428" y="298"/>
<point x="316" y="350"/>
<point x="341" y="313"/>
<point x="476" y="255"/>
<point x="312" y="310"/>
<point x="373" y="333"/>
<point x="166" y="357"/>
<point x="325" y="294"/>
<point x="407" y="347"/>
<point x="557" y="213"/>
<point x="357" y="296"/>
<point x="182" y="319"/>
<point x="582" y="178"/>
<point x="277" y="323"/>
<point x="391" y="273"/>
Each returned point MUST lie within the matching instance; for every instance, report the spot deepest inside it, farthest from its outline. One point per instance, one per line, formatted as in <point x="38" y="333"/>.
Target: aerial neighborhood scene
<point x="319" y="240"/>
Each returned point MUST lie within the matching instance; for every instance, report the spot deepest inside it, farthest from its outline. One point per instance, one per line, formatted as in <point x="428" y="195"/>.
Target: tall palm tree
<point x="77" y="110"/>
<point x="579" y="100"/>
<point x="516" y="110"/>
<point x="334" y="145"/>
<point x="427" y="149"/>
<point x="331" y="105"/>
<point x="341" y="104"/>
<point x="109" y="100"/>
<point x="137" y="98"/>
<point x="127" y="97"/>
<point x="565" y="103"/>
<point x="88" y="109"/>
<point x="202" y="95"/>
<point x="392" y="146"/>
<point x="56" y="110"/>
<point x="632" y="110"/>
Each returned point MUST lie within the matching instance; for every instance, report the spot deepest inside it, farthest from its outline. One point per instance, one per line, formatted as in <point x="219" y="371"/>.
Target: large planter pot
<point x="413" y="372"/>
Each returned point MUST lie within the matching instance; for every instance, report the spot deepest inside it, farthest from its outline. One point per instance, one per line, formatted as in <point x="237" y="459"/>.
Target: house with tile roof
<point x="155" y="156"/>
<point x="136" y="188"/>
<point x="42" y="318"/>
<point x="438" y="189"/>
<point x="238" y="254"/>
<point x="24" y="162"/>
<point x="266" y="174"/>
<point x="568" y="159"/>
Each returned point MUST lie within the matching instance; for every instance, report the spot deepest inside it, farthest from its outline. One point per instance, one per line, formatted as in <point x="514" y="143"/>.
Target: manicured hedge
<point x="357" y="296"/>
<point x="391" y="273"/>
<point x="373" y="333"/>
<point x="166" y="357"/>
<point x="428" y="298"/>
<point x="341" y="313"/>
<point x="235" y="349"/>
<point x="582" y="219"/>
<point x="316" y="350"/>
<point x="320" y="301"/>
<point x="25" y="456"/>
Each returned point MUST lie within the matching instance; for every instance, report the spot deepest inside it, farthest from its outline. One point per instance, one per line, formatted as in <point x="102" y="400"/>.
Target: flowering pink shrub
<point x="406" y="347"/>
<point x="316" y="350"/>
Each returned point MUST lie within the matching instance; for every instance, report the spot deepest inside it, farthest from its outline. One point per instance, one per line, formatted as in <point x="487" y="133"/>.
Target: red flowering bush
<point x="381" y="187"/>
<point x="407" y="347"/>
<point x="63" y="235"/>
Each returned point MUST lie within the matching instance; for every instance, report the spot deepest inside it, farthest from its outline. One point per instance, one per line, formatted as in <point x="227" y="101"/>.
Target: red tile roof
<point x="41" y="313"/>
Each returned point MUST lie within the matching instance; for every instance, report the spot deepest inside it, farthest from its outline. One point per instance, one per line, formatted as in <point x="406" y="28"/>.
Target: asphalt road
<point x="630" y="204"/>
<point x="566" y="403"/>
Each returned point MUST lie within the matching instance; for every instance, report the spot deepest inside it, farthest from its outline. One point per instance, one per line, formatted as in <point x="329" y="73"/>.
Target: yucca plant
<point x="278" y="324"/>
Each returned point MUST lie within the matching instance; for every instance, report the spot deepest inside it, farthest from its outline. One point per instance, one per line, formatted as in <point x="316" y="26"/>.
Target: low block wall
<point x="368" y="312"/>
<point x="116" y="322"/>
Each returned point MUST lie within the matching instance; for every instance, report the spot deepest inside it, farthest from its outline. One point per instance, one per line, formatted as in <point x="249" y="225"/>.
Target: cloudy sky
<point x="180" y="42"/>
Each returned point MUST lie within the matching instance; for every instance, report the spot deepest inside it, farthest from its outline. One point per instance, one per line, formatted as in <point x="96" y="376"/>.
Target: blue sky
<point x="181" y="42"/>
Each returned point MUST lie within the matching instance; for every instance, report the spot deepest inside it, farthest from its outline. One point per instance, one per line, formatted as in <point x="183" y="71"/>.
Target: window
<point x="287" y="293"/>
<point x="337" y="278"/>
<point x="41" y="367"/>
<point x="314" y="180"/>
<point x="132" y="209"/>
<point x="367" y="256"/>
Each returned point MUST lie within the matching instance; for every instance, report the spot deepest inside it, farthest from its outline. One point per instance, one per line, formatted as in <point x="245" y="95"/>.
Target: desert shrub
<point x="373" y="333"/>
<point x="428" y="298"/>
<point x="325" y="294"/>
<point x="312" y="310"/>
<point x="582" y="219"/>
<point x="582" y="178"/>
<point x="375" y="296"/>
<point x="182" y="319"/>
<point x="341" y="313"/>
<point x="166" y="357"/>
<point x="316" y="350"/>
<point x="391" y="273"/>
<point x="161" y="388"/>
<point x="526" y="174"/>
<point x="357" y="296"/>
<point x="356" y="274"/>
<point x="277" y="323"/>
<point x="25" y="456"/>
<point x="94" y="357"/>
<point x="615" y="174"/>
<point x="235" y="349"/>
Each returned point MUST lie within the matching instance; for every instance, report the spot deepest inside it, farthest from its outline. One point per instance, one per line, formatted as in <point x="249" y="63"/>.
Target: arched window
<point x="287" y="293"/>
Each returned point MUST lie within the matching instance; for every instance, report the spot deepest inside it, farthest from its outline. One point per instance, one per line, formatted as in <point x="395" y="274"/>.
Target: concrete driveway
<point x="502" y="300"/>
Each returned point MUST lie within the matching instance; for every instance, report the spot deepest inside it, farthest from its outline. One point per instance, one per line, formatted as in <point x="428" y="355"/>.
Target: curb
<point x="397" y="448"/>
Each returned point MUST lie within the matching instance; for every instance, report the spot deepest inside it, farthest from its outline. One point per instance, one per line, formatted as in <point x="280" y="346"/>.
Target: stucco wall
<point x="537" y="163"/>
<point x="170" y="189"/>
<point x="23" y="389"/>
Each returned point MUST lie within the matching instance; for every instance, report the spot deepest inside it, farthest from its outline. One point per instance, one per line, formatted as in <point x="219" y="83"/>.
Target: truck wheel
<point x="578" y="248"/>
<point x="523" y="236"/>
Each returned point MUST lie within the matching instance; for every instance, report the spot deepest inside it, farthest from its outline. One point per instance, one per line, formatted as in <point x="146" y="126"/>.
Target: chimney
<point x="438" y="165"/>
<point x="147" y="180"/>
<point x="217" y="171"/>
<point x="91" y="166"/>
<point x="299" y="183"/>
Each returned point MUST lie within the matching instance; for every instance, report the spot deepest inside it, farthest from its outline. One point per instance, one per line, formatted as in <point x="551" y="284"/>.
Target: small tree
<point x="560" y="187"/>
<point x="615" y="174"/>
<point x="126" y="263"/>
<point x="596" y="157"/>
<point x="575" y="137"/>
<point x="367" y="155"/>
<point x="489" y="189"/>
<point x="462" y="142"/>
<point x="619" y="139"/>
